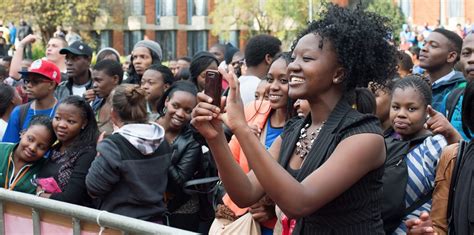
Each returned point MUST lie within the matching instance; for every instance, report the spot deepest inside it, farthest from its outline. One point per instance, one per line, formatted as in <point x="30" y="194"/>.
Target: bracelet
<point x="40" y="192"/>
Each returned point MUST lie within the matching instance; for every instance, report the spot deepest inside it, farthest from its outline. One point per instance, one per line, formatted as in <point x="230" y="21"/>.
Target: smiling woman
<point x="76" y="130"/>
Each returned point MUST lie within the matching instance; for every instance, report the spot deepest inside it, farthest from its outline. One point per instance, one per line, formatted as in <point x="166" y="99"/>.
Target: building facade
<point x="182" y="27"/>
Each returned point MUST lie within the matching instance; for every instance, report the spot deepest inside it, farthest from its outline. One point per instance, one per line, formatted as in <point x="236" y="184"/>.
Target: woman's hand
<point x="422" y="225"/>
<point x="439" y="124"/>
<point x="205" y="117"/>
<point x="262" y="212"/>
<point x="234" y="116"/>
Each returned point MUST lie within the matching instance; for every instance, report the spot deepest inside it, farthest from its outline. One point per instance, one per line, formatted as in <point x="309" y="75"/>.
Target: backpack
<point x="452" y="100"/>
<point x="394" y="181"/>
<point x="23" y="112"/>
<point x="452" y="187"/>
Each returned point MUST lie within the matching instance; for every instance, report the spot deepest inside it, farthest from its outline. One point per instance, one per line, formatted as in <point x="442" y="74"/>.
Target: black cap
<point x="77" y="48"/>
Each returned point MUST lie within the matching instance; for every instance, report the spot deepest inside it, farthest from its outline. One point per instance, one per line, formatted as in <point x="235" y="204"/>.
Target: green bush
<point x="38" y="51"/>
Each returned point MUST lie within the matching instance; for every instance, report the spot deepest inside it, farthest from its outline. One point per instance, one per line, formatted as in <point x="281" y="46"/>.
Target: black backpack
<point x="394" y="181"/>
<point x="451" y="102"/>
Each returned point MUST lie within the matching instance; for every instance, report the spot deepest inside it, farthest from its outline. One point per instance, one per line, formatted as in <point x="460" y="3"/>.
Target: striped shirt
<point x="421" y="165"/>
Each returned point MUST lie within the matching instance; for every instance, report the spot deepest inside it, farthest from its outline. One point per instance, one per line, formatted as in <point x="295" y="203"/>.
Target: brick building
<point x="449" y="12"/>
<point x="182" y="27"/>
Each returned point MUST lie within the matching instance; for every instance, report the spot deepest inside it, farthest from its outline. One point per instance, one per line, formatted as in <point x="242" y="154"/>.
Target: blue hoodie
<point x="442" y="89"/>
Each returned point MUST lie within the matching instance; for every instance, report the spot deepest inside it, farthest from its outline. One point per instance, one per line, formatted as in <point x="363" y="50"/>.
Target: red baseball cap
<point x="44" y="68"/>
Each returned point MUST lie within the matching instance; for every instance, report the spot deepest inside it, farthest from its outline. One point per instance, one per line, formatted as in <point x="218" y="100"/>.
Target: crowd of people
<point x="340" y="135"/>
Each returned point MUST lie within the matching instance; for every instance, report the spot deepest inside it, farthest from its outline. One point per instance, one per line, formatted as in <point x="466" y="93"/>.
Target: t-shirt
<point x="3" y="127"/>
<point x="272" y="134"/>
<point x="12" y="133"/>
<point x="248" y="86"/>
<point x="79" y="90"/>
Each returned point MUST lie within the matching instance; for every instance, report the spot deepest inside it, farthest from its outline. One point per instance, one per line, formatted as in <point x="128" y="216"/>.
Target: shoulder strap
<point x="422" y="200"/>
<point x="454" y="178"/>
<point x="23" y="112"/>
<point x="452" y="100"/>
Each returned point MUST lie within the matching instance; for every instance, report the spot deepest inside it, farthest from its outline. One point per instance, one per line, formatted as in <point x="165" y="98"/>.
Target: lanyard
<point x="11" y="183"/>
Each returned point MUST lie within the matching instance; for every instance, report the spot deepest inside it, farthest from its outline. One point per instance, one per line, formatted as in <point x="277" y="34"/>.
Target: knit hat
<point x="45" y="69"/>
<point x="152" y="45"/>
<point x="108" y="49"/>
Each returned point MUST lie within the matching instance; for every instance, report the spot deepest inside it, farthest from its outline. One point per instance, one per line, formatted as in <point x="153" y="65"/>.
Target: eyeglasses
<point x="35" y="81"/>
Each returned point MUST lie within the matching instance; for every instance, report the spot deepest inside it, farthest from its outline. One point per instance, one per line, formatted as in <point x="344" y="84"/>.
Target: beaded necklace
<point x="305" y="141"/>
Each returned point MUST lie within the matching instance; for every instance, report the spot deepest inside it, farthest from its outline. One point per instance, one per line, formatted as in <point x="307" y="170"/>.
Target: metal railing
<point x="77" y="214"/>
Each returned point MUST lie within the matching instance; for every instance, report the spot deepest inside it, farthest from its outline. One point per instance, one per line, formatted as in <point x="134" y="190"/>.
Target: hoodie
<point x="442" y="89"/>
<point x="130" y="175"/>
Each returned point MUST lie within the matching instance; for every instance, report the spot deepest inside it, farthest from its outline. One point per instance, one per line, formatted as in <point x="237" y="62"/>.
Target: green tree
<point x="282" y="18"/>
<point x="47" y="14"/>
<point x="390" y="10"/>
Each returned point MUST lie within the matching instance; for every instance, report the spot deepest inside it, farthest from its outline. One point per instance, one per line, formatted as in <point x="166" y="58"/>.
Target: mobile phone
<point x="213" y="86"/>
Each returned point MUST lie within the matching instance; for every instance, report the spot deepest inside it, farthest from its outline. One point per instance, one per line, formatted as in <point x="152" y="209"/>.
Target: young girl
<point x="155" y="81"/>
<point x="76" y="130"/>
<point x="330" y="164"/>
<point x="267" y="118"/>
<point x="175" y="108"/>
<point x="131" y="171"/>
<point x="20" y="162"/>
<point x="410" y="112"/>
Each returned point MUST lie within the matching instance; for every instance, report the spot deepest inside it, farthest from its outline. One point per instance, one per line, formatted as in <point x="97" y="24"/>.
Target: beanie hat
<point x="152" y="45"/>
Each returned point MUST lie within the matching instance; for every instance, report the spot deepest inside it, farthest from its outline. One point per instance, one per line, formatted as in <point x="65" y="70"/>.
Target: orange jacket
<point x="256" y="113"/>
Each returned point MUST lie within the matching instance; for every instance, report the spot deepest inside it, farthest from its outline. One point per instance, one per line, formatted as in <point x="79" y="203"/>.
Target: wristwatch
<point x="39" y="193"/>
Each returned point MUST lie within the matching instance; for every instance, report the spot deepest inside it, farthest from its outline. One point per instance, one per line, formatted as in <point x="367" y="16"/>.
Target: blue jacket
<point x="442" y="89"/>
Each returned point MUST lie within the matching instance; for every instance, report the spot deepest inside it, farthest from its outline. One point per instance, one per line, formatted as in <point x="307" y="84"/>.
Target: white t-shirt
<point x="248" y="86"/>
<point x="79" y="90"/>
<point x="3" y="127"/>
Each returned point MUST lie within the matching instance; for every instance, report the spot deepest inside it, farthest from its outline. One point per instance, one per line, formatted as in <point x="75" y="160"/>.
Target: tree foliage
<point x="282" y="18"/>
<point x="47" y="14"/>
<point x="390" y="10"/>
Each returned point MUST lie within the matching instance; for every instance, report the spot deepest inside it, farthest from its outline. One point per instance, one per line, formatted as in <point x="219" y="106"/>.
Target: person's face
<point x="125" y="65"/>
<point x="34" y="143"/>
<point x="382" y="100"/>
<point x="182" y="64"/>
<point x="436" y="52"/>
<point x="77" y="65"/>
<point x="277" y="79"/>
<point x="154" y="85"/>
<point x="219" y="54"/>
<point x="141" y="59"/>
<point x="38" y="87"/>
<point x="201" y="80"/>
<point x="173" y="65"/>
<point x="467" y="57"/>
<point x="103" y="84"/>
<point x="237" y="62"/>
<point x="302" y="107"/>
<point x="179" y="107"/>
<point x="313" y="69"/>
<point x="68" y="122"/>
<point x="261" y="93"/>
<point x="407" y="112"/>
<point x="52" y="50"/>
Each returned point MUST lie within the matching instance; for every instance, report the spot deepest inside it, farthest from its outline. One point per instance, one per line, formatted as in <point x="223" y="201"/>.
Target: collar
<point x="444" y="78"/>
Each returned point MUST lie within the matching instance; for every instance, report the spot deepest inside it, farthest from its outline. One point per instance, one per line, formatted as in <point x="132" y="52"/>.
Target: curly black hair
<point x="360" y="41"/>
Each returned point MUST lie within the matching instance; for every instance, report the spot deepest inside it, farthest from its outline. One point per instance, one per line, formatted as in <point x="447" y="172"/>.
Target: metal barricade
<point x="79" y="217"/>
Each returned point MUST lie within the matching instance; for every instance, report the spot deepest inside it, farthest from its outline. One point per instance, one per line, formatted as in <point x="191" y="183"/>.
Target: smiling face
<point x="277" y="79"/>
<point x="302" y="107"/>
<point x="407" y="112"/>
<point x="179" y="107"/>
<point x="142" y="59"/>
<point x="68" y="123"/>
<point x="34" y="144"/>
<point x="467" y="57"/>
<point x="313" y="68"/>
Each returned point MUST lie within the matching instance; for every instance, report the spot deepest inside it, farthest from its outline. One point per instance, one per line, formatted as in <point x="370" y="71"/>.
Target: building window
<point x="167" y="40"/>
<point x="106" y="38"/>
<point x="196" y="8"/>
<point x="234" y="38"/>
<point x="137" y="7"/>
<point x="456" y="8"/>
<point x="197" y="41"/>
<point x="165" y="8"/>
<point x="405" y="6"/>
<point x="130" y="39"/>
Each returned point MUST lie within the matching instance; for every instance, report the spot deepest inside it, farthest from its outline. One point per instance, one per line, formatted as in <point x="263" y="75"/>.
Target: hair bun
<point x="134" y="94"/>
